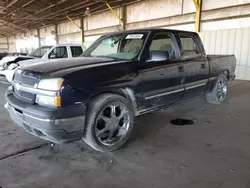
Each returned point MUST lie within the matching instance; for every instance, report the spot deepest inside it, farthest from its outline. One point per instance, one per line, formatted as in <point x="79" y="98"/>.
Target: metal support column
<point x="198" y="5"/>
<point x="56" y="34"/>
<point x="116" y="15"/>
<point x="39" y="37"/>
<point x="8" y="44"/>
<point x="82" y="29"/>
<point x="124" y="16"/>
<point x="72" y="21"/>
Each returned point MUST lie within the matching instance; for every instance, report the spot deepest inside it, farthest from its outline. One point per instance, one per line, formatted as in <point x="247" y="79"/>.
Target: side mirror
<point x="52" y="56"/>
<point x="159" y="55"/>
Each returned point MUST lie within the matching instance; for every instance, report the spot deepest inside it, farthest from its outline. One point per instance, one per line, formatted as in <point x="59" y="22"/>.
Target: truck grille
<point x="27" y="79"/>
<point x="24" y="96"/>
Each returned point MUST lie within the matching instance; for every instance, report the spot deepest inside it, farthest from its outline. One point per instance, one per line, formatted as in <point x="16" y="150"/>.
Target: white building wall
<point x="226" y="24"/>
<point x="12" y="44"/>
<point x="230" y="41"/>
<point x="69" y="32"/>
<point x="26" y="42"/>
<point x="147" y="10"/>
<point x="213" y="4"/>
<point x="47" y="35"/>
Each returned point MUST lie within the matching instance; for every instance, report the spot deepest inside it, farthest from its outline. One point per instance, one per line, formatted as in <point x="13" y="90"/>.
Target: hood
<point x="8" y="59"/>
<point x="62" y="65"/>
<point x="30" y="61"/>
<point x="18" y="59"/>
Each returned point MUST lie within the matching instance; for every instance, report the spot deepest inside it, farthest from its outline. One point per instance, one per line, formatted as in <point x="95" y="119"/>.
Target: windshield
<point x="39" y="52"/>
<point x="119" y="46"/>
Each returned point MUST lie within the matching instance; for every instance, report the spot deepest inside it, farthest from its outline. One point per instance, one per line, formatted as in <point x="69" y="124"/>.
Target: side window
<point x="131" y="46"/>
<point x="163" y="42"/>
<point x="58" y="52"/>
<point x="76" y="51"/>
<point x="189" y="46"/>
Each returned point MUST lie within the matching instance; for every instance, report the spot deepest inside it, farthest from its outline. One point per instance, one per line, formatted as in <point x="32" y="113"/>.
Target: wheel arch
<point x="213" y="82"/>
<point x="127" y="93"/>
<point x="226" y="72"/>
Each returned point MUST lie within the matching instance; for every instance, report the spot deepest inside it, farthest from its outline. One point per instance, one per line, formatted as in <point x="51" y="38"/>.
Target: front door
<point x="161" y="81"/>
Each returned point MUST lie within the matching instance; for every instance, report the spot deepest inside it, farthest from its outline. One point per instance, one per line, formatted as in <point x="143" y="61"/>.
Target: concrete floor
<point x="214" y="152"/>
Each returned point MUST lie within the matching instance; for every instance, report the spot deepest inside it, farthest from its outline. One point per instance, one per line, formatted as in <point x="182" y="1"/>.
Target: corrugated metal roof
<point x="18" y="16"/>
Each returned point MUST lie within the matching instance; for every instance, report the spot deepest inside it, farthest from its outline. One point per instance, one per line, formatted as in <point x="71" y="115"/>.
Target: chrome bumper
<point x="54" y="130"/>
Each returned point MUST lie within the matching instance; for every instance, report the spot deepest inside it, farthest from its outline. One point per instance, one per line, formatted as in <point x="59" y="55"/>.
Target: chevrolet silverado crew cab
<point x="9" y="64"/>
<point x="120" y="76"/>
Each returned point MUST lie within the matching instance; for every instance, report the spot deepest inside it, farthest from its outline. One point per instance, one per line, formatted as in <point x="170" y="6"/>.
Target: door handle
<point x="181" y="68"/>
<point x="203" y="65"/>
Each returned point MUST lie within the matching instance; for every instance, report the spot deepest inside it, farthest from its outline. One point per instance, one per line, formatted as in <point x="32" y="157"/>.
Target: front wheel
<point x="109" y="123"/>
<point x="219" y="93"/>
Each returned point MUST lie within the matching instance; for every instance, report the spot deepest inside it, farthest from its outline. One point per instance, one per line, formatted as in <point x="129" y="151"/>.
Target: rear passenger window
<point x="76" y="51"/>
<point x="189" y="46"/>
<point x="163" y="42"/>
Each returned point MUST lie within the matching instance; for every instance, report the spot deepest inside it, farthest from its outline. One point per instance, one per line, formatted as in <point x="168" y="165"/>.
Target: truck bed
<point x="222" y="62"/>
<point x="212" y="56"/>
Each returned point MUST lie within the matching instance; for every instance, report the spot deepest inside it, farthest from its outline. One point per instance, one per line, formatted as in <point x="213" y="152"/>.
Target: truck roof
<point x="152" y="30"/>
<point x="70" y="44"/>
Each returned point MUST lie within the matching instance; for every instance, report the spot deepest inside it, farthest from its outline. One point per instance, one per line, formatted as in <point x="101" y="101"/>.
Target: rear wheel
<point x="219" y="93"/>
<point x="110" y="120"/>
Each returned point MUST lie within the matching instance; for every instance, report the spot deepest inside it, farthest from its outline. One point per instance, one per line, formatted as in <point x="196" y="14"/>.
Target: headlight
<point x="12" y="66"/>
<point x="53" y="84"/>
<point x="48" y="101"/>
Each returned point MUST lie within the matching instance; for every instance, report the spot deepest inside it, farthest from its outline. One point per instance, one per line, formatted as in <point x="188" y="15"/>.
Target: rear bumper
<point x="232" y="78"/>
<point x="59" y="125"/>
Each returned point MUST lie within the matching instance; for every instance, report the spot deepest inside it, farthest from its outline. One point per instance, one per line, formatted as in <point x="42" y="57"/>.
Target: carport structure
<point x="212" y="152"/>
<point x="224" y="26"/>
<point x="23" y="15"/>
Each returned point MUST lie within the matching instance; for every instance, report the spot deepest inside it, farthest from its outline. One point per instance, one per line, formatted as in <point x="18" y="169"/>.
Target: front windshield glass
<point x="125" y="46"/>
<point x="39" y="52"/>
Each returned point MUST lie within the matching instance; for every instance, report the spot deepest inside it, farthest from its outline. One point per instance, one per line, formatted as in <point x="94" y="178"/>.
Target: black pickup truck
<point x="120" y="76"/>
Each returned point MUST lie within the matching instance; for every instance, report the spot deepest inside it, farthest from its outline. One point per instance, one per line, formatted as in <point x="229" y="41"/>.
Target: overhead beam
<point x="23" y="6"/>
<point x="10" y="4"/>
<point x="13" y="26"/>
<point x="59" y="12"/>
<point x="198" y="6"/>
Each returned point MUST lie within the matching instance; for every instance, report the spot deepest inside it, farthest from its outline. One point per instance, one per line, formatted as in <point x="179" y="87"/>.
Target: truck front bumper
<point x="59" y="125"/>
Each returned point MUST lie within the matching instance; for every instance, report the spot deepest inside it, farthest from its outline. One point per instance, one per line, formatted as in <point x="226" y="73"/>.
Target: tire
<point x="221" y="86"/>
<point x="103" y="120"/>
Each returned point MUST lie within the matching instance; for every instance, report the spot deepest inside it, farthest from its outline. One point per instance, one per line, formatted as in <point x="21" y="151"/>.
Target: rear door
<point x="161" y="81"/>
<point x="195" y="65"/>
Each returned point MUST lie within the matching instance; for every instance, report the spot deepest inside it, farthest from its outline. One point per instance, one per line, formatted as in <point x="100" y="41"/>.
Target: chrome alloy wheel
<point x="222" y="90"/>
<point x="112" y="124"/>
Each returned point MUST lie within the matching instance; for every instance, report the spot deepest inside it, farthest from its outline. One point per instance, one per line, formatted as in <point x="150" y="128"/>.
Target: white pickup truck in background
<point x="8" y="65"/>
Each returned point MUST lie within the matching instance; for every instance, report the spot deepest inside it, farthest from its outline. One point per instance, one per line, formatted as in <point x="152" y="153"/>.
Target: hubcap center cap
<point x="113" y="123"/>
